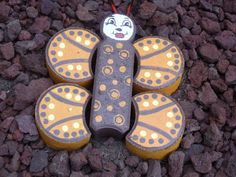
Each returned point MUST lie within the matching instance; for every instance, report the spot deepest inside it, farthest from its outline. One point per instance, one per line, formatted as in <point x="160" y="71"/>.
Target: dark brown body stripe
<point x="71" y="61"/>
<point x="63" y="121"/>
<point x="156" y="68"/>
<point x="155" y="129"/>
<point x="157" y="52"/>
<point x="63" y="100"/>
<point x="75" y="43"/>
<point x="155" y="110"/>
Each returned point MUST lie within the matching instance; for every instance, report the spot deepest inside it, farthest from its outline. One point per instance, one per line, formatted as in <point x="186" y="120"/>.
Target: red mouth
<point x="119" y="35"/>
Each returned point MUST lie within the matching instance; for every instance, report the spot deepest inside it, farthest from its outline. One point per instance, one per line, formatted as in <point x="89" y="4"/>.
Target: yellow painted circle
<point x="97" y="105"/>
<point x="98" y="118"/>
<point x="110" y="61"/>
<point x="62" y="45"/>
<point x="122" y="69"/>
<point x="102" y="87"/>
<point x="109" y="107"/>
<point x="76" y="125"/>
<point x="122" y="104"/>
<point x="114" y="94"/>
<point x="119" y="45"/>
<point x="115" y="82"/>
<point x="119" y="119"/>
<point x="51" y="106"/>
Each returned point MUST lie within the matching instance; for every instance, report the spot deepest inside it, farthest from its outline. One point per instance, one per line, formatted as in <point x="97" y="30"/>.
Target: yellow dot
<point x="62" y="45"/>
<point x="78" y="67"/>
<point x="169" y="124"/>
<point x="128" y="80"/>
<point x="51" y="117"/>
<point x="77" y="97"/>
<point x="65" y="128"/>
<point x="87" y="42"/>
<point x="158" y="75"/>
<point x="109" y="107"/>
<point x="122" y="69"/>
<point x="76" y="125"/>
<point x="115" y="82"/>
<point x="155" y="102"/>
<point x="60" y="53"/>
<point x="146" y="48"/>
<point x="154" y="136"/>
<point x="119" y="119"/>
<point x="145" y="104"/>
<point x="68" y="95"/>
<point x="102" y="87"/>
<point x="70" y="67"/>
<point x="168" y="55"/>
<point x="119" y="45"/>
<point x="155" y="46"/>
<point x="122" y="104"/>
<point x="98" y="118"/>
<point x="115" y="94"/>
<point x="147" y="74"/>
<point x="170" y="63"/>
<point x="70" y="109"/>
<point x="143" y="133"/>
<point x="51" y="106"/>
<point x="170" y="114"/>
<point x="78" y="39"/>
<point x="110" y="61"/>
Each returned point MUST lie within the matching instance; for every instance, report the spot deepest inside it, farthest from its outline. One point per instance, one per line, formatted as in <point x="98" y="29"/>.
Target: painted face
<point x="118" y="27"/>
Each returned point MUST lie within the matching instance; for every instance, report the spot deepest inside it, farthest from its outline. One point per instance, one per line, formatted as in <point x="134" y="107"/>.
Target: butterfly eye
<point x="127" y="23"/>
<point x="111" y="21"/>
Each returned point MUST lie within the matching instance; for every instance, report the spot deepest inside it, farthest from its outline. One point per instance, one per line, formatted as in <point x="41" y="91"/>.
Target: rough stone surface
<point x="78" y="160"/>
<point x="154" y="169"/>
<point x="7" y="50"/>
<point x="26" y="124"/>
<point x="60" y="165"/>
<point x="13" y="29"/>
<point x="209" y="53"/>
<point x="230" y="75"/>
<point x="176" y="162"/>
<point x="202" y="162"/>
<point x="39" y="161"/>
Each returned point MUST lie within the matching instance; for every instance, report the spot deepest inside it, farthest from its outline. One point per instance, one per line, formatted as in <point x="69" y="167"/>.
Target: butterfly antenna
<point x="113" y="6"/>
<point x="130" y="6"/>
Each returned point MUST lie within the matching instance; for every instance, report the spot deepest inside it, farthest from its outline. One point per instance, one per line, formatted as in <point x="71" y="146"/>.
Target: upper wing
<point x="161" y="65"/>
<point x="69" y="55"/>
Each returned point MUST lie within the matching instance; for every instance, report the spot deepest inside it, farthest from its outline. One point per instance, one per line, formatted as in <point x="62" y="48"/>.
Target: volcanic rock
<point x="13" y="29"/>
<point x="230" y="75"/>
<point x="39" y="161"/>
<point x="176" y="162"/>
<point x="7" y="50"/>
<point x="209" y="53"/>
<point x="60" y="164"/>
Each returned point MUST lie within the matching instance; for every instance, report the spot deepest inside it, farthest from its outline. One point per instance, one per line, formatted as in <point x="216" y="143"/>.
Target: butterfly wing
<point x="69" y="55"/>
<point x="160" y="65"/>
<point x="158" y="128"/>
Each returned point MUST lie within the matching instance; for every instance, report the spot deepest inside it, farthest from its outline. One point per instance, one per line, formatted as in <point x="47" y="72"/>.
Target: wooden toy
<point x="159" y="124"/>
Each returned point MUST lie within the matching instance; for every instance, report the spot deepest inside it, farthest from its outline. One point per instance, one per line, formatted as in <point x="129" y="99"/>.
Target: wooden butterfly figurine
<point x="61" y="110"/>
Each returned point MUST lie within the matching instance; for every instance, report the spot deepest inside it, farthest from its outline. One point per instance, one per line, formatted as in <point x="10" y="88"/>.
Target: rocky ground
<point x="205" y="30"/>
